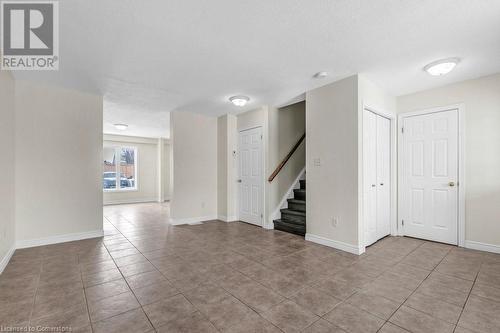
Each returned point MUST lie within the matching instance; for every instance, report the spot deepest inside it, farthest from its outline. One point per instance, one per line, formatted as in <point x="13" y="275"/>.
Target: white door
<point x="376" y="176"/>
<point x="251" y="176"/>
<point x="383" y="177"/>
<point x="430" y="175"/>
<point x="370" y="176"/>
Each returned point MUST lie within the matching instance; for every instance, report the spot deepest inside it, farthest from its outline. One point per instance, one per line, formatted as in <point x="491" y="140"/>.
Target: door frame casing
<point x="461" y="165"/>
<point x="393" y="174"/>
<point x="263" y="180"/>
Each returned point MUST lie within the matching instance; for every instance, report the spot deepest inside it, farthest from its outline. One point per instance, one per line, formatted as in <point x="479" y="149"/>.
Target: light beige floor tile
<point x="354" y="320"/>
<point x="335" y="288"/>
<point x="106" y="289"/>
<point x="112" y="306"/>
<point x="194" y="322"/>
<point x="74" y="318"/>
<point x="419" y="322"/>
<point x="168" y="309"/>
<point x="391" y="328"/>
<point x="315" y="300"/>
<point x="487" y="291"/>
<point x="134" y="321"/>
<point x="145" y="279"/>
<point x="290" y="317"/>
<point x="323" y="326"/>
<point x="254" y="324"/>
<point x="433" y="306"/>
<point x="481" y="315"/>
<point x="137" y="268"/>
<point x="376" y="305"/>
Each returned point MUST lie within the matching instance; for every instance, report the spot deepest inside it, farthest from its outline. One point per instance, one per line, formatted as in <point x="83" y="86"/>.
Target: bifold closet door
<point x="370" y="176"/>
<point x="376" y="173"/>
<point x="383" y="177"/>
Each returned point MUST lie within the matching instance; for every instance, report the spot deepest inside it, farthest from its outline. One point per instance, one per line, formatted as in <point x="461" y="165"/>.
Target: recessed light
<point x="239" y="100"/>
<point x="320" y="75"/>
<point x="121" y="127"/>
<point x="441" y="67"/>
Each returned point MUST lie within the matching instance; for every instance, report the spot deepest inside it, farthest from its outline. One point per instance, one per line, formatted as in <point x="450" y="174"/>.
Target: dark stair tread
<point x="296" y="201"/>
<point x="292" y="212"/>
<point x="301" y="190"/>
<point x="292" y="221"/>
<point x="290" y="227"/>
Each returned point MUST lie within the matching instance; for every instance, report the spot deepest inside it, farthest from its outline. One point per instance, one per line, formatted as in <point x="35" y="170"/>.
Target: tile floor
<point x="147" y="276"/>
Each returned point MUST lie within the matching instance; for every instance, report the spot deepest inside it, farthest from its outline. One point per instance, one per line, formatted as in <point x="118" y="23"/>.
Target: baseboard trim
<point x="129" y="201"/>
<point x="6" y="258"/>
<point x="335" y="244"/>
<point x="22" y="244"/>
<point x="473" y="245"/>
<point x="192" y="220"/>
<point x="227" y="219"/>
<point x="269" y="225"/>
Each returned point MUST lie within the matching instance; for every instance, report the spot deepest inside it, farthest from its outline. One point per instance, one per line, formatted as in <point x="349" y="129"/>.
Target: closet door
<point x="383" y="177"/>
<point x="370" y="176"/>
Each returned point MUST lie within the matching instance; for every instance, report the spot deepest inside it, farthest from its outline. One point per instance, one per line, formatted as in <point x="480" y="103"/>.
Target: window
<point x="119" y="163"/>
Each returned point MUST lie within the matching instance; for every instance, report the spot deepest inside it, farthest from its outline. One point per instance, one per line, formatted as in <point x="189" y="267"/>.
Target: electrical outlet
<point x="203" y="204"/>
<point x="335" y="222"/>
<point x="317" y="162"/>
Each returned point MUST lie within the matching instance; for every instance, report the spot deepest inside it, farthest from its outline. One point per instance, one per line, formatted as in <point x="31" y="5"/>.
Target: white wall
<point x="194" y="167"/>
<point x="222" y="164"/>
<point x="481" y="98"/>
<point x="58" y="162"/>
<point x="148" y="165"/>
<point x="332" y="140"/>
<point x="7" y="163"/>
<point x="286" y="127"/>
<point x="166" y="170"/>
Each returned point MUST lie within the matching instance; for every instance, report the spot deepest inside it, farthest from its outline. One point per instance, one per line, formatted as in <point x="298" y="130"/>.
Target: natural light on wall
<point x="125" y="170"/>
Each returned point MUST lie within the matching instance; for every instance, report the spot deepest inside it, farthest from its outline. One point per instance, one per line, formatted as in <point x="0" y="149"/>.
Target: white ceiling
<point x="151" y="57"/>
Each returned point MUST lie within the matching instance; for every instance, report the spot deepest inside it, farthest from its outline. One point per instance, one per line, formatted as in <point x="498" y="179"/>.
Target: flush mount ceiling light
<point x="121" y="127"/>
<point x="441" y="67"/>
<point x="320" y="75"/>
<point x="239" y="100"/>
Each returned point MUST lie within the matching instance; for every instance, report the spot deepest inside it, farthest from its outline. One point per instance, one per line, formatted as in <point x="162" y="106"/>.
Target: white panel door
<point x="251" y="176"/>
<point x="430" y="175"/>
<point x="376" y="176"/>
<point x="383" y="177"/>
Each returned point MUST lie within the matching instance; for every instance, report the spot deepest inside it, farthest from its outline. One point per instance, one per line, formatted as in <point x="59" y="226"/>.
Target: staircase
<point x="293" y="218"/>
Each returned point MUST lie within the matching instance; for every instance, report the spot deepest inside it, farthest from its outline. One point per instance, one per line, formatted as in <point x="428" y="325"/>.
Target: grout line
<point x="36" y="293"/>
<point x="470" y="292"/>
<point x="85" y="295"/>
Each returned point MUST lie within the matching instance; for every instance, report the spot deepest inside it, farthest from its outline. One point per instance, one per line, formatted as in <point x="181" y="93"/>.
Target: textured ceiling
<point x="151" y="57"/>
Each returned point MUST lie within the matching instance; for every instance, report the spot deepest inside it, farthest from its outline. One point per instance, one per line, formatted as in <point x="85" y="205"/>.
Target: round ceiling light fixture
<point x="121" y="127"/>
<point x="441" y="67"/>
<point x="239" y="100"/>
<point x="320" y="75"/>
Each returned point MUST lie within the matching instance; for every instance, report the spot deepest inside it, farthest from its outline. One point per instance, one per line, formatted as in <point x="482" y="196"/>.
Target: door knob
<point x="239" y="180"/>
<point x="381" y="184"/>
<point x="373" y="185"/>
<point x="451" y="184"/>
